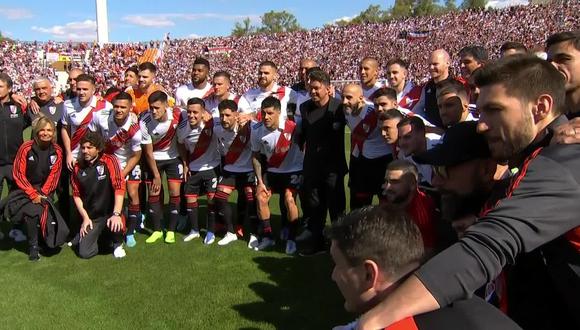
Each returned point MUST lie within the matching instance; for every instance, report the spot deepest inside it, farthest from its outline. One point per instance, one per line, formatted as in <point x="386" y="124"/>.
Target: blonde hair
<point x="39" y="123"/>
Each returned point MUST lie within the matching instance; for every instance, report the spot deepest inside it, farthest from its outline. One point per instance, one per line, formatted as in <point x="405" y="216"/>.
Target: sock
<point x="223" y="207"/>
<point x="134" y="218"/>
<point x="173" y="212"/>
<point x="156" y="212"/>
<point x="211" y="217"/>
<point x="266" y="228"/>
<point x="251" y="219"/>
<point x="292" y="229"/>
<point x="192" y="215"/>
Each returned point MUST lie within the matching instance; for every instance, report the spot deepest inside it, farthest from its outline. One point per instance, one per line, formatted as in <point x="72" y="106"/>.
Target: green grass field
<point x="160" y="286"/>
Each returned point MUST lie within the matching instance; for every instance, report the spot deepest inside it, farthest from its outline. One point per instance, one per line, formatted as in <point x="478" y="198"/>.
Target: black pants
<point x="6" y="173"/>
<point x="64" y="198"/>
<point x="323" y="192"/>
<point x="89" y="245"/>
<point x="31" y="218"/>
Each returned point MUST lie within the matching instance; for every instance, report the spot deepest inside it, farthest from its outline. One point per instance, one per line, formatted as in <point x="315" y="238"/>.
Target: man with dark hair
<point x="407" y="94"/>
<point x="564" y="53"/>
<point x="388" y="121"/>
<point x="325" y="166"/>
<point x="369" y="68"/>
<point x="123" y="140"/>
<point x="453" y="103"/>
<point x="221" y="91"/>
<point x="98" y="193"/>
<point x="510" y="48"/>
<point x="199" y="86"/>
<point x="412" y="140"/>
<point x="159" y="143"/>
<point x="472" y="58"/>
<point x="146" y="86"/>
<point x="534" y="217"/>
<point x="374" y="250"/>
<point x="197" y="145"/>
<point x="275" y="138"/>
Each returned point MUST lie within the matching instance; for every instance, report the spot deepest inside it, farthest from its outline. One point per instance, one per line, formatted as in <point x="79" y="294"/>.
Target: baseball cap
<point x="461" y="143"/>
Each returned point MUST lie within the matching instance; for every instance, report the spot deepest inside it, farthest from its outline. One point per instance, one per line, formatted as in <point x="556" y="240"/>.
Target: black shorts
<point x="368" y="175"/>
<point x="173" y="169"/>
<point x="202" y="182"/>
<point x="237" y="180"/>
<point x="279" y="182"/>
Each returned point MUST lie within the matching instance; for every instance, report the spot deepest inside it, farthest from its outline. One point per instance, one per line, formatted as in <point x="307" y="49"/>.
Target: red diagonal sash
<point x="203" y="142"/>
<point x="83" y="126"/>
<point x="120" y="138"/>
<point x="165" y="141"/>
<point x="238" y="145"/>
<point x="283" y="145"/>
<point x="362" y="131"/>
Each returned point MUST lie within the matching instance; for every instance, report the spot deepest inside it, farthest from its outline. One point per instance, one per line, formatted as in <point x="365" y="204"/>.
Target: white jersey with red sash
<point x="187" y="91"/>
<point x="282" y="153"/>
<point x="162" y="134"/>
<point x="368" y="92"/>
<point x="201" y="144"/>
<point x="212" y="102"/>
<point x="251" y="101"/>
<point x="78" y="118"/>
<point x="122" y="141"/>
<point x="409" y="96"/>
<point x="234" y="145"/>
<point x="366" y="136"/>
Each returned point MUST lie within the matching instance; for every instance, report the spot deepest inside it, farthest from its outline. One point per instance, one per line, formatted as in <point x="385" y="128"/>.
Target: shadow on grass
<point x="302" y="295"/>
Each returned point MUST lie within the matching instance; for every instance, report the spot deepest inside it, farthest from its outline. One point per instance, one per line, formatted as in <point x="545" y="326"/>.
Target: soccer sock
<point x="173" y="212"/>
<point x="223" y="207"/>
<point x="266" y="228"/>
<point x="251" y="213"/>
<point x="283" y="212"/>
<point x="210" y="217"/>
<point x="155" y="211"/>
<point x="134" y="218"/>
<point x="292" y="228"/>
<point x="192" y="215"/>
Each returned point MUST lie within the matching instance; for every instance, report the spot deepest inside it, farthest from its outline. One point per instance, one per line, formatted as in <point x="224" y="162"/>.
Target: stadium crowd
<point x="476" y="173"/>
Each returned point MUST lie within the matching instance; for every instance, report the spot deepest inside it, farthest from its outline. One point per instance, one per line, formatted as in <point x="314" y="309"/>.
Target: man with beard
<point x="453" y="103"/>
<point x="564" y="53"/>
<point x="401" y="191"/>
<point x="533" y="216"/>
<point x="199" y="85"/>
<point x="397" y="75"/>
<point x="146" y="86"/>
<point x="221" y="91"/>
<point x="471" y="58"/>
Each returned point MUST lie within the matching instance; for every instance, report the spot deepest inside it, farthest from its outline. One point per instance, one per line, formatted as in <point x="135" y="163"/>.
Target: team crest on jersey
<point x="243" y="138"/>
<point x="288" y="136"/>
<point x="31" y="158"/>
<point x="52" y="159"/>
<point x="366" y="128"/>
<point x="13" y="109"/>
<point x="52" y="110"/>
<point x="100" y="169"/>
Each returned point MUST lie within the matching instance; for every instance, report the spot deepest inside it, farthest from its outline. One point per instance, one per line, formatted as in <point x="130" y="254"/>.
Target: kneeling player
<point x="198" y="148"/>
<point x="234" y="146"/>
<point x="274" y="138"/>
<point x="98" y="193"/>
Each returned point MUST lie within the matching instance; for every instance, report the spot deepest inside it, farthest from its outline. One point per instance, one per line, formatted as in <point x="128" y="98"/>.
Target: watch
<point x="117" y="214"/>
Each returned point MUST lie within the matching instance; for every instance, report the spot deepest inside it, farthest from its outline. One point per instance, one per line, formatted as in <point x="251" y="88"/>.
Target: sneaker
<point x="253" y="242"/>
<point x="119" y="252"/>
<point x="290" y="247"/>
<point x="155" y="236"/>
<point x="228" y="238"/>
<point x="192" y="235"/>
<point x="266" y="243"/>
<point x="284" y="233"/>
<point x="170" y="237"/>
<point x="304" y="236"/>
<point x="17" y="235"/>
<point x="130" y="241"/>
<point x="33" y="254"/>
<point x="209" y="238"/>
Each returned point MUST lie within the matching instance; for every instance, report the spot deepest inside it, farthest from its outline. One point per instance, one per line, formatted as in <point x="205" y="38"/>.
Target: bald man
<point x="370" y="153"/>
<point x="439" y="63"/>
<point x="369" y="75"/>
<point x="300" y="88"/>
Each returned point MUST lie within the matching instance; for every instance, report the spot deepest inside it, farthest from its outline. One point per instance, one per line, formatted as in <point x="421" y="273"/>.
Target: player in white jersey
<point x="123" y="140"/>
<point x="159" y="143"/>
<point x="199" y="86"/>
<point x="251" y="102"/>
<point x="221" y="91"/>
<point x="237" y="172"/>
<point x="370" y="154"/>
<point x="197" y="146"/>
<point x="275" y="139"/>
<point x="398" y="77"/>
<point x="369" y="75"/>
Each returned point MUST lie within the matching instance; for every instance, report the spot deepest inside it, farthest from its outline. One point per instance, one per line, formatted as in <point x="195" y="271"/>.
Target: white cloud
<point x="170" y="19"/>
<point x="505" y="3"/>
<point x="343" y="18"/>
<point x="194" y="36"/>
<point x="15" y="13"/>
<point x="77" y="31"/>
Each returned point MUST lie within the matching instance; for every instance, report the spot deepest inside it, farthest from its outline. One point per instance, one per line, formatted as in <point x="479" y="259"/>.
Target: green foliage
<point x="279" y="21"/>
<point x="373" y="14"/>
<point x="473" y="4"/>
<point x="243" y="28"/>
<point x="450" y="5"/>
<point x="402" y="8"/>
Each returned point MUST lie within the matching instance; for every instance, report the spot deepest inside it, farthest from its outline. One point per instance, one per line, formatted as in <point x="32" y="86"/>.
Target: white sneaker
<point x="253" y="242"/>
<point x="119" y="252"/>
<point x="228" y="238"/>
<point x="265" y="244"/>
<point x="290" y="247"/>
<point x="17" y="235"/>
<point x="192" y="235"/>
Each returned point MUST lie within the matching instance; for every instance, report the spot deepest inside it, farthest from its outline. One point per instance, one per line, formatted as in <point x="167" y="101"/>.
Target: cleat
<point x="130" y="241"/>
<point x="253" y="242"/>
<point x="170" y="237"/>
<point x="193" y="234"/>
<point x="290" y="247"/>
<point x="119" y="252"/>
<point x="266" y="243"/>
<point x="228" y="238"/>
<point x="155" y="236"/>
<point x="209" y="238"/>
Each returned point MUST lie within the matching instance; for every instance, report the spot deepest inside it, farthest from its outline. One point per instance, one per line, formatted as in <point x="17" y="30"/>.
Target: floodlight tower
<point x="102" y="22"/>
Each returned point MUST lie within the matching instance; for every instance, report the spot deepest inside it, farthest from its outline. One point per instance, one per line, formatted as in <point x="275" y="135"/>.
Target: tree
<point x="402" y="8"/>
<point x="474" y="4"/>
<point x="373" y="14"/>
<point x="281" y="21"/>
<point x="244" y="28"/>
<point x="450" y="5"/>
<point x="424" y="7"/>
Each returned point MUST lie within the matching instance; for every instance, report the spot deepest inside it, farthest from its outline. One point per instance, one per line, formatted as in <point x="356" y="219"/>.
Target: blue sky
<point x="131" y="20"/>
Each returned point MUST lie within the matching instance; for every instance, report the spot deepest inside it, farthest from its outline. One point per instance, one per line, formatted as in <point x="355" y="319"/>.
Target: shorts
<point x="135" y="175"/>
<point x="237" y="180"/>
<point x="202" y="182"/>
<point x="279" y="182"/>
<point x="173" y="169"/>
<point x="368" y="175"/>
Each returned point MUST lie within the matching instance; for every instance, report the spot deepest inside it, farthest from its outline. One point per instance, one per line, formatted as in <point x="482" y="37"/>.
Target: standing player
<point x="221" y="91"/>
<point x="274" y="138"/>
<point x="159" y="143"/>
<point x="199" y="86"/>
<point x="398" y="77"/>
<point x="237" y="173"/>
<point x="123" y="140"/>
<point x="197" y="146"/>
<point x="146" y="86"/>
<point x="369" y="75"/>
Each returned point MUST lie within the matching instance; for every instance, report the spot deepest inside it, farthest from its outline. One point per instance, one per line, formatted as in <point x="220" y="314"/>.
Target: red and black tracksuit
<point x="96" y="184"/>
<point x="36" y="172"/>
